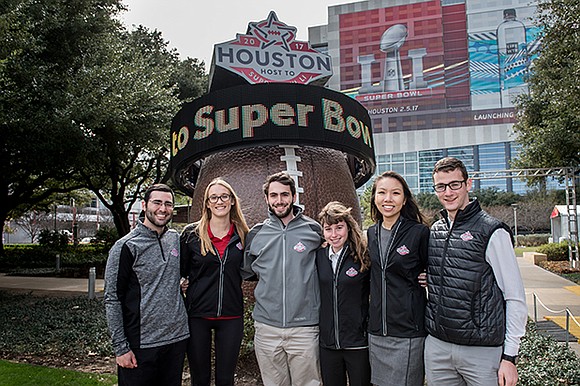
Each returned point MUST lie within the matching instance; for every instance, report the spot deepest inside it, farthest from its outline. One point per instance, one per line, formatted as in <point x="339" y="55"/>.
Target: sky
<point x="194" y="26"/>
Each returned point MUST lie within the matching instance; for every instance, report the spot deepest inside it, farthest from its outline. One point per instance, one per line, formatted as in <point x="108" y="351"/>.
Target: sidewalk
<point x="50" y="285"/>
<point x="553" y="295"/>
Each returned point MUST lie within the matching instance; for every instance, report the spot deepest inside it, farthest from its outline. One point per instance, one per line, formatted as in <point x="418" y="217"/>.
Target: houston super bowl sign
<point x="268" y="52"/>
<point x="271" y="114"/>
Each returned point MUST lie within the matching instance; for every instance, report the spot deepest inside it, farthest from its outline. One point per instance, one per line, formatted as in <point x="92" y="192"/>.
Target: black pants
<point x="228" y="338"/>
<point x="336" y="364"/>
<point x="157" y="366"/>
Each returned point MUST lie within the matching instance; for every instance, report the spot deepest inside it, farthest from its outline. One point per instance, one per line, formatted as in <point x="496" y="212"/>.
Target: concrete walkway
<point x="50" y="285"/>
<point x="553" y="294"/>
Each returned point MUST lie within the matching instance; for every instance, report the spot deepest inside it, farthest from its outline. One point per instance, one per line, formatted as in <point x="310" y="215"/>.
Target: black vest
<point x="465" y="305"/>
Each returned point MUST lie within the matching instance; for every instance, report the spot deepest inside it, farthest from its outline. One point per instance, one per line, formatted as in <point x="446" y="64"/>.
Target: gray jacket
<point x="283" y="259"/>
<point x="142" y="296"/>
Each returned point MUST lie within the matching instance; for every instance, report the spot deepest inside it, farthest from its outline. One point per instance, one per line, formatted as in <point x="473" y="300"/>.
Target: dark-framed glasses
<point x="453" y="185"/>
<point x="159" y="203"/>
<point x="224" y="197"/>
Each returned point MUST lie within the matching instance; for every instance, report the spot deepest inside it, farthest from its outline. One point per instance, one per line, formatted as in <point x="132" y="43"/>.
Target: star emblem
<point x="272" y="32"/>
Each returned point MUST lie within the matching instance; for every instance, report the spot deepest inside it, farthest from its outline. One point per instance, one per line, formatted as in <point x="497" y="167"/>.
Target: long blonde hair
<point x="236" y="217"/>
<point x="335" y="212"/>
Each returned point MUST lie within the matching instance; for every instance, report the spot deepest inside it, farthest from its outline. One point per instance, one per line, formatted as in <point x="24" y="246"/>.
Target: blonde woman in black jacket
<point x="343" y="273"/>
<point x="211" y="258"/>
<point x="398" y="244"/>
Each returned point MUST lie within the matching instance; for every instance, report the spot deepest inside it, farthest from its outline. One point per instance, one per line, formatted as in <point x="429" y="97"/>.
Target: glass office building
<point x="438" y="78"/>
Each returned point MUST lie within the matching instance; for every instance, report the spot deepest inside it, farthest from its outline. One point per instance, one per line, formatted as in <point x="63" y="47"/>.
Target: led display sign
<point x="271" y="114"/>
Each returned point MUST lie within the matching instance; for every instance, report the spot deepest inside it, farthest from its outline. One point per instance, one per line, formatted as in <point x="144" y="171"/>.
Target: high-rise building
<point x="438" y="77"/>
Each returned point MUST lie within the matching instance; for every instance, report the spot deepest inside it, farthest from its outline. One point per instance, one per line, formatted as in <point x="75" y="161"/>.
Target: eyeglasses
<point x="224" y="197"/>
<point x="159" y="203"/>
<point x="453" y="185"/>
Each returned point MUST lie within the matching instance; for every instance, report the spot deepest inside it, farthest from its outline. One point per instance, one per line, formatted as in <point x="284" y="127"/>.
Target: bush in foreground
<point x="555" y="251"/>
<point x="545" y="362"/>
<point x="74" y="329"/>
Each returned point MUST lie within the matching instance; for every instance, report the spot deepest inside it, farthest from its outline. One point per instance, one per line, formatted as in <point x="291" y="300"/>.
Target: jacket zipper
<point x="443" y="259"/>
<point x="161" y="246"/>
<point x="335" y="295"/>
<point x="284" y="277"/>
<point x="221" y="280"/>
<point x="384" y="272"/>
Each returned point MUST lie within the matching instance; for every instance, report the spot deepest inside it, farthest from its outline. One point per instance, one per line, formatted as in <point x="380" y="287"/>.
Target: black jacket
<point x="344" y="302"/>
<point x="466" y="306"/>
<point x="215" y="285"/>
<point x="397" y="306"/>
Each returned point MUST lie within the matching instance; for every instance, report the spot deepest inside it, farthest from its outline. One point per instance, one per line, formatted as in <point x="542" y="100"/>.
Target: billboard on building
<point x="437" y="64"/>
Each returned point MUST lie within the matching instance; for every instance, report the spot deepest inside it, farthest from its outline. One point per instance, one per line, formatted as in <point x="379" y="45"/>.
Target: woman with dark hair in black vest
<point x="398" y="245"/>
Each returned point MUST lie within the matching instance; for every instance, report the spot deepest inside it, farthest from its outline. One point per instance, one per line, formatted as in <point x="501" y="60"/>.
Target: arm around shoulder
<point x="246" y="268"/>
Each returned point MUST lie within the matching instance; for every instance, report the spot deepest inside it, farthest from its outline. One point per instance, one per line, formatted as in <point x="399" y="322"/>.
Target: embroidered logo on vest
<point x="239" y="246"/>
<point x="403" y="250"/>
<point x="299" y="247"/>
<point x="174" y="252"/>
<point x="466" y="236"/>
<point x="351" y="272"/>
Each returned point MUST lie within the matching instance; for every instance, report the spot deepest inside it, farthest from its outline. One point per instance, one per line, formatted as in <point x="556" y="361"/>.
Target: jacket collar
<point x="144" y="230"/>
<point x="295" y="209"/>
<point x="465" y="214"/>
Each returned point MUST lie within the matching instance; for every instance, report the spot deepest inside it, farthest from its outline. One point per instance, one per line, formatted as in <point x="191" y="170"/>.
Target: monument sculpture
<point x="266" y="111"/>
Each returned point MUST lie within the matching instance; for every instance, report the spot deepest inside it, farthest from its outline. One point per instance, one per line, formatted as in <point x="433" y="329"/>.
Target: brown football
<point x="323" y="173"/>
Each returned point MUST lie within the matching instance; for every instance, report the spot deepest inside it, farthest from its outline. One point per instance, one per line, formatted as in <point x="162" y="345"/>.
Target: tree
<point x="43" y="46"/>
<point x="495" y="197"/>
<point x="549" y="124"/>
<point x="32" y="223"/>
<point x="125" y="116"/>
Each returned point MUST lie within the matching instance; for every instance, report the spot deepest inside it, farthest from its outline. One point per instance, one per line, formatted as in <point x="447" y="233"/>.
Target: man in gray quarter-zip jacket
<point x="145" y="311"/>
<point x="281" y="254"/>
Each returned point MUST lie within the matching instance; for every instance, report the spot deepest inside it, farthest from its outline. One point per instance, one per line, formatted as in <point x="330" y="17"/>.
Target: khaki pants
<point x="287" y="356"/>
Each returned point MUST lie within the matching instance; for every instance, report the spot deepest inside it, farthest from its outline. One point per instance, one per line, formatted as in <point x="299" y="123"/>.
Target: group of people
<point x="332" y="306"/>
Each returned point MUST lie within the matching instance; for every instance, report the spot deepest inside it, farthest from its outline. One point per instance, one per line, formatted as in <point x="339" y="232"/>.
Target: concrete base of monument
<point x="323" y="176"/>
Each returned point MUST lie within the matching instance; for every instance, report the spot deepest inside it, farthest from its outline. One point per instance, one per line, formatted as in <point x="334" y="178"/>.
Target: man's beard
<point x="153" y="220"/>
<point x="283" y="214"/>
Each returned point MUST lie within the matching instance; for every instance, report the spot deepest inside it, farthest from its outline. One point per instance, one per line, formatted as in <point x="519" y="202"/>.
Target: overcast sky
<point x="194" y="26"/>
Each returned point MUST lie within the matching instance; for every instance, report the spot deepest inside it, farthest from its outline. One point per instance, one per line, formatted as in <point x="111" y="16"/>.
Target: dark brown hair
<point x="449" y="164"/>
<point x="282" y="178"/>
<point x="410" y="209"/>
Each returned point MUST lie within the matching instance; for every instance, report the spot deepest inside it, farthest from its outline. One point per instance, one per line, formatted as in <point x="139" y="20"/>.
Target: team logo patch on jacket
<point x="299" y="247"/>
<point x="174" y="252"/>
<point x="466" y="236"/>
<point x="403" y="250"/>
<point x="239" y="246"/>
<point x="351" y="272"/>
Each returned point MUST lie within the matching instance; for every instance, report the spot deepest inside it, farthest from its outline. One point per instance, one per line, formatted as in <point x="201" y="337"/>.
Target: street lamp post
<point x="515" y="208"/>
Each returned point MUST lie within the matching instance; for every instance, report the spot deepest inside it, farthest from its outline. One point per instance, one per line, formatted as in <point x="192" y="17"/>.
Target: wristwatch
<point x="510" y="358"/>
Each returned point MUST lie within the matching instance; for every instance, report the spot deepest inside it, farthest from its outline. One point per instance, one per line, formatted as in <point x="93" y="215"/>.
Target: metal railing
<point x="565" y="310"/>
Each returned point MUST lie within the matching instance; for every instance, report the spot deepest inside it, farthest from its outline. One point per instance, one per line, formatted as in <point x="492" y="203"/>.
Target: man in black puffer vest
<point x="476" y="312"/>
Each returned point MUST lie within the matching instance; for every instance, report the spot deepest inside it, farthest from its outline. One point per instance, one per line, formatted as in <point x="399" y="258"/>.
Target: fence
<point x="566" y="311"/>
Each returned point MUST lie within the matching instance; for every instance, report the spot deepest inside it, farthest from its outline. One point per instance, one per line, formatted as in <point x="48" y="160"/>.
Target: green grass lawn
<point x="18" y="374"/>
<point x="520" y="250"/>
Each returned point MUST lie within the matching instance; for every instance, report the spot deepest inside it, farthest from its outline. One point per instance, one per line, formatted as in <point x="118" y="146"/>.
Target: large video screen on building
<point x="437" y="64"/>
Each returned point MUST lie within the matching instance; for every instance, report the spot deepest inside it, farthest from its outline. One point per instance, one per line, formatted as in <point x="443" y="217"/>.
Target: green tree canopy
<point x="43" y="46"/>
<point x="549" y="124"/>
<point x="125" y="115"/>
<point x="84" y="104"/>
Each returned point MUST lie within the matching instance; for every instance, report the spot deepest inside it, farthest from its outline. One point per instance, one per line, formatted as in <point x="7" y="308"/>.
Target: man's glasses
<point x="159" y="203"/>
<point x="453" y="185"/>
<point x="224" y="197"/>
